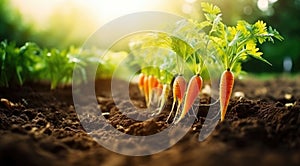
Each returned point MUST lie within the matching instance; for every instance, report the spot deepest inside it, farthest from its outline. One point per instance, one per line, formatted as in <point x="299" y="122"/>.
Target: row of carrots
<point x="153" y="90"/>
<point x="184" y="93"/>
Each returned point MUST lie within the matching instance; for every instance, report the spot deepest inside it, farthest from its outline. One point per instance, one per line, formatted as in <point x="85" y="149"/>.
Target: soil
<point x="41" y="127"/>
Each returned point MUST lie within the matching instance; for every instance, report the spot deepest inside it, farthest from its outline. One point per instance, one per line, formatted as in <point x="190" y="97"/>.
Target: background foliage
<point x="62" y="32"/>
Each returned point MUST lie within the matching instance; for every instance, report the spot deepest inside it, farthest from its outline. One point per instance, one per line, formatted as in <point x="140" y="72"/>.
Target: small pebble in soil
<point x="289" y="104"/>
<point x="261" y="91"/>
<point x="239" y="94"/>
<point x="206" y="90"/>
<point x="8" y="104"/>
<point x="288" y="96"/>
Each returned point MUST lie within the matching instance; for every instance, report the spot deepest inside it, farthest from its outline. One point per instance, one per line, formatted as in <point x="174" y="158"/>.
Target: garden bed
<point x="41" y="127"/>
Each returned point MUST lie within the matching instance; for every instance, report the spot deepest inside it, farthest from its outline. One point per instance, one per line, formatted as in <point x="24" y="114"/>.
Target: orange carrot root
<point x="151" y="84"/>
<point x="141" y="83"/>
<point x="226" y="86"/>
<point x="158" y="90"/>
<point x="179" y="86"/>
<point x="146" y="90"/>
<point x="193" y="90"/>
<point x="163" y="97"/>
<point x="155" y="83"/>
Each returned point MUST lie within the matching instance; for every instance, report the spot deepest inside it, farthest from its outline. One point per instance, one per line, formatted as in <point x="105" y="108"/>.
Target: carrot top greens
<point x="235" y="43"/>
<point x="198" y="44"/>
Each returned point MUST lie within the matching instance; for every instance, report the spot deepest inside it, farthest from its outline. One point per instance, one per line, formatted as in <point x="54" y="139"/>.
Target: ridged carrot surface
<point x="179" y="87"/>
<point x="159" y="89"/>
<point x="226" y="86"/>
<point x="141" y="83"/>
<point x="163" y="97"/>
<point x="151" y="84"/>
<point x="146" y="90"/>
<point x="193" y="89"/>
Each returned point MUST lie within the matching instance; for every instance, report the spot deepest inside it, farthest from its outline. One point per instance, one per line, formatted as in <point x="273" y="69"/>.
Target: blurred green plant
<point x="281" y="14"/>
<point x="232" y="10"/>
<point x="31" y="63"/>
<point x="286" y="18"/>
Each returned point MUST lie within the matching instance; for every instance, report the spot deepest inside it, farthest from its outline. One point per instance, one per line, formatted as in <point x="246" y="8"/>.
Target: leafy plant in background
<point x="17" y="64"/>
<point x="31" y="63"/>
<point x="285" y="16"/>
<point x="58" y="67"/>
<point x="11" y="64"/>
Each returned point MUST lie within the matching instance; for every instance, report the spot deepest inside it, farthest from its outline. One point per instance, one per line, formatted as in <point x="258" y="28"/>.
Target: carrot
<point x="146" y="89"/>
<point x="156" y="82"/>
<point x="226" y="86"/>
<point x="179" y="86"/>
<point x="155" y="89"/>
<point x="193" y="89"/>
<point x="159" y="89"/>
<point x="157" y="92"/>
<point x="141" y="83"/>
<point x="151" y="84"/>
<point x="163" y="97"/>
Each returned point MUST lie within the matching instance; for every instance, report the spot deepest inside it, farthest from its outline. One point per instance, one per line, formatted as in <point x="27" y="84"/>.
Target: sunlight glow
<point x="75" y="20"/>
<point x="110" y="9"/>
<point x="263" y="5"/>
<point x="38" y="10"/>
<point x="102" y="10"/>
<point x="190" y="1"/>
<point x="187" y="8"/>
<point x="273" y="1"/>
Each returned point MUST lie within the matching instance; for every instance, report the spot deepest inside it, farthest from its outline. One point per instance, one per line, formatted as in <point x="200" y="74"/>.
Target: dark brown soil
<point x="41" y="127"/>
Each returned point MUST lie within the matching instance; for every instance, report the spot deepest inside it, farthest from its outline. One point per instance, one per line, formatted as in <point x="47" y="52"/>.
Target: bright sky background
<point x="102" y="10"/>
<point x="78" y="19"/>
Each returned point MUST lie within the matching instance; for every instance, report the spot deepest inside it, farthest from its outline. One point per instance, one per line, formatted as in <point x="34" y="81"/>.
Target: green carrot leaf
<point x="275" y="33"/>
<point x="261" y="59"/>
<point x="210" y="8"/>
